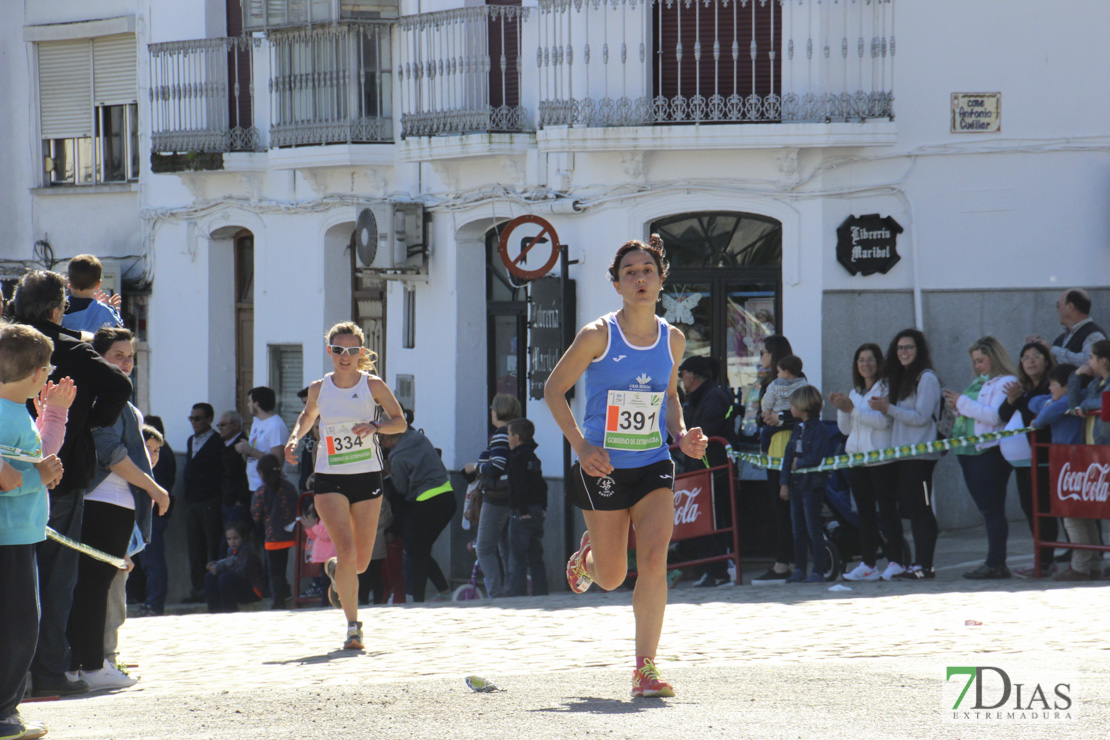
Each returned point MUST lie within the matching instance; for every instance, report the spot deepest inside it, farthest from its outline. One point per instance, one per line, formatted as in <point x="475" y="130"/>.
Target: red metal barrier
<point x="1079" y="480"/>
<point x="694" y="495"/>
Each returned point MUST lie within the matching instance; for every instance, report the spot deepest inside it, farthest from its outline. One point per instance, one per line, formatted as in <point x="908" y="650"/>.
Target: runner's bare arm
<point x="385" y="398"/>
<point x="304" y="423"/>
<point x="691" y="441"/>
<point x="587" y="347"/>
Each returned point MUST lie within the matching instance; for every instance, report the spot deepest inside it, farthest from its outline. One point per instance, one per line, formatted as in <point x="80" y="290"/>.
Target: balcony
<point x="460" y="72"/>
<point x="331" y="85"/>
<point x="618" y="63"/>
<point x="266" y="15"/>
<point x="202" y="96"/>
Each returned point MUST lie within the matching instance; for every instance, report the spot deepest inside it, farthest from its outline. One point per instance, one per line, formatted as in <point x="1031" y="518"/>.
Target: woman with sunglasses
<point x="624" y="472"/>
<point x="353" y="406"/>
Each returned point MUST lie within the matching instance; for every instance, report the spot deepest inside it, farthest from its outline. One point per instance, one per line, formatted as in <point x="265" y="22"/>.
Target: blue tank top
<point x="623" y="367"/>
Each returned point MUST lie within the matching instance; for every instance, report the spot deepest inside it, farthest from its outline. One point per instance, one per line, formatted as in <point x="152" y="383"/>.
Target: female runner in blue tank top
<point x="353" y="406"/>
<point x="624" y="471"/>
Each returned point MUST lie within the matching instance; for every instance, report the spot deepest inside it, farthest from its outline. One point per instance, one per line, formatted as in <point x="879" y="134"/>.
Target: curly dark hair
<point x="902" y="380"/>
<point x="654" y="247"/>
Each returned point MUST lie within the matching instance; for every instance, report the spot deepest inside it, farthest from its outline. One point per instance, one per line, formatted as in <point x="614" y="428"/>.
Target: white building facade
<point x="745" y="132"/>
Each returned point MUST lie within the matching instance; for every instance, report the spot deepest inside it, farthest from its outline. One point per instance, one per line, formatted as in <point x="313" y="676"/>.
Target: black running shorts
<point x="621" y="489"/>
<point x="355" y="486"/>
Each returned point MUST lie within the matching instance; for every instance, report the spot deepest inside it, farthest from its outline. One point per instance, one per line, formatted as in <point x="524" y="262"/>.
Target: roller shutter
<point x="114" y="66"/>
<point x="65" y="89"/>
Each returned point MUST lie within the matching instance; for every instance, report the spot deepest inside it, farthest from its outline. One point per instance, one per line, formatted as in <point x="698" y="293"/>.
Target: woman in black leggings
<point x="775" y="347"/>
<point x="913" y="404"/>
<point x="421" y="481"/>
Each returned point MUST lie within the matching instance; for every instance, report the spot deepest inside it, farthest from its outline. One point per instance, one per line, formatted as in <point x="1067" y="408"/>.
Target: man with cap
<point x="710" y="407"/>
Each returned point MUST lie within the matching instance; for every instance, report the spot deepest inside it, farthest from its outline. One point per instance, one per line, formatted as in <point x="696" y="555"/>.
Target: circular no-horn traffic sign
<point x="529" y="239"/>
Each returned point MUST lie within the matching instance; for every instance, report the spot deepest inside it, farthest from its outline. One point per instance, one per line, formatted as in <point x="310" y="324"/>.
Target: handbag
<point x="472" y="506"/>
<point x="495" y="490"/>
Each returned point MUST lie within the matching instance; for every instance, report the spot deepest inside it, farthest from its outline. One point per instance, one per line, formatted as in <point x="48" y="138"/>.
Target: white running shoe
<point x="892" y="569"/>
<point x="108" y="677"/>
<point x="863" y="572"/>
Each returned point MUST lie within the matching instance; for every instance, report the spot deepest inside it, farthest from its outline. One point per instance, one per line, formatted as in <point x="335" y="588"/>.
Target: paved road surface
<point x="752" y="661"/>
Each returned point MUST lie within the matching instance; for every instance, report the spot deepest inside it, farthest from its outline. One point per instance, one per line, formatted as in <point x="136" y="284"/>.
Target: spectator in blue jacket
<point x="84" y="312"/>
<point x="1067" y="429"/>
<point x="810" y="443"/>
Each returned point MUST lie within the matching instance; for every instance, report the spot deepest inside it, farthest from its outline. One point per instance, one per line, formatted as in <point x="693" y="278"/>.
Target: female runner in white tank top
<point x="354" y="407"/>
<point x="624" y="472"/>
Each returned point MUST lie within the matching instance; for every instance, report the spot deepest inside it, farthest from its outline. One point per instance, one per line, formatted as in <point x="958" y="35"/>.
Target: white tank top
<point x="341" y="450"/>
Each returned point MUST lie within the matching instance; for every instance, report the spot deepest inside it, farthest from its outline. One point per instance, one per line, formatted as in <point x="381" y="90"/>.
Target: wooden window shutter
<point x="65" y="89"/>
<point x="114" y="67"/>
<point x="504" y="34"/>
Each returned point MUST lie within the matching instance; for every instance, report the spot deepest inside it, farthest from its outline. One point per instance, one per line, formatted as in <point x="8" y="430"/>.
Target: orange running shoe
<point x="577" y="576"/>
<point x="646" y="682"/>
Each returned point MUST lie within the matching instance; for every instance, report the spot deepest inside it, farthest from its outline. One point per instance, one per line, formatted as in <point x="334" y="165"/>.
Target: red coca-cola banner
<point x="1080" y="480"/>
<point x="693" y="507"/>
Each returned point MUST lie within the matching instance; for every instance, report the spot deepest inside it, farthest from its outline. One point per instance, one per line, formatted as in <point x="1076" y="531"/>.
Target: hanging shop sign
<point x="976" y="113"/>
<point x="868" y="244"/>
<point x="545" y="331"/>
<point x="528" y="238"/>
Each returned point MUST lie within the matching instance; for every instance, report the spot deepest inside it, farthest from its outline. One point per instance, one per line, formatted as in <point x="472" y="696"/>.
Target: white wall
<point x="1023" y="208"/>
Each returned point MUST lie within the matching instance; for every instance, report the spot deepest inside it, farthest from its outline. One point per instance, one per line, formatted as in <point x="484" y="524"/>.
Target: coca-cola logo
<point x="686" y="509"/>
<point x="1083" y="485"/>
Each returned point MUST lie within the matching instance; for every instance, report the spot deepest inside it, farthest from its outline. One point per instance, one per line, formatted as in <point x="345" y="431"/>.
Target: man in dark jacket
<point x="102" y="392"/>
<point x="203" y="477"/>
<point x="709" y="406"/>
<point x="236" y="490"/>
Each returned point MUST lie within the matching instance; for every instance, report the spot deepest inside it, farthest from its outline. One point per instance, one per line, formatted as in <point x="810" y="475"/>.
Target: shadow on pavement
<point x="595" y="705"/>
<point x="326" y="658"/>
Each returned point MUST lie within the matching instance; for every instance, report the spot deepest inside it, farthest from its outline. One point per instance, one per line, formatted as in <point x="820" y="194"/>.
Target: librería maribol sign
<point x="868" y="244"/>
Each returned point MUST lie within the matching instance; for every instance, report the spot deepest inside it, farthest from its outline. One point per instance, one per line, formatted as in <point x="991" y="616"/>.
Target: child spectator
<point x="528" y="501"/>
<point x="777" y="398"/>
<point x="1086" y="399"/>
<point x="1067" y="429"/>
<point x="84" y="312"/>
<point x="810" y="443"/>
<point x="236" y="579"/>
<point x="24" y="368"/>
<point x="274" y="506"/>
<point x="321" y="548"/>
<point x="116" y="614"/>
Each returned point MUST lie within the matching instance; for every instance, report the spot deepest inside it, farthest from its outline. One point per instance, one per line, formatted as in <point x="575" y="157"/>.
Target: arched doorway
<point x="725" y="286"/>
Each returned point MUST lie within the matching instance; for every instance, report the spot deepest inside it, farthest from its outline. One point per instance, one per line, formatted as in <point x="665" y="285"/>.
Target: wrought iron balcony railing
<point x="643" y="62"/>
<point x="460" y="71"/>
<point x="202" y="96"/>
<point x="331" y="85"/>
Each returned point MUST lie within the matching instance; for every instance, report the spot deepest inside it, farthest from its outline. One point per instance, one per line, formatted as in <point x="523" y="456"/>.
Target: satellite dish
<point x="366" y="237"/>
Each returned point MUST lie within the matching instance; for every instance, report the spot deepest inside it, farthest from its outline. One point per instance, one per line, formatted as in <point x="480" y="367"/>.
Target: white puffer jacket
<point x="867" y="429"/>
<point x="985" y="410"/>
